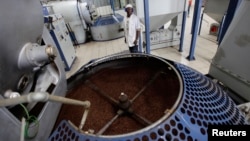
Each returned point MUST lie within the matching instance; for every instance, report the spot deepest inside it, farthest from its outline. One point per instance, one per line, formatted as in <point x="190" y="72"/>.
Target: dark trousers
<point x="189" y="6"/>
<point x="133" y="49"/>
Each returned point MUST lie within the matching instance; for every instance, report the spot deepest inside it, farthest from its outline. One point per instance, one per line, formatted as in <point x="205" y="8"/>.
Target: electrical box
<point x="60" y="34"/>
<point x="214" y="29"/>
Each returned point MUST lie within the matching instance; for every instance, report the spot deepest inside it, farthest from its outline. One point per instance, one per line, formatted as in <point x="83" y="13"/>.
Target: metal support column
<point x="140" y="44"/>
<point x="196" y="21"/>
<point x="183" y="30"/>
<point x="201" y="23"/>
<point x="147" y="26"/>
<point x="112" y="6"/>
<point x="232" y="7"/>
<point x="221" y="27"/>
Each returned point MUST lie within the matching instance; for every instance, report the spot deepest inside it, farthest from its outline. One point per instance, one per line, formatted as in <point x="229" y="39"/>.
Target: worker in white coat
<point x="132" y="29"/>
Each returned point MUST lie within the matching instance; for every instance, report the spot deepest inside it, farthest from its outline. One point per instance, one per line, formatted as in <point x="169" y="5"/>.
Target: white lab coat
<point x="131" y="24"/>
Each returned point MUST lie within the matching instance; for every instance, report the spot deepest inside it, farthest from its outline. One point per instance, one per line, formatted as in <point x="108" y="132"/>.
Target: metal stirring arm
<point x="124" y="103"/>
<point x="43" y="97"/>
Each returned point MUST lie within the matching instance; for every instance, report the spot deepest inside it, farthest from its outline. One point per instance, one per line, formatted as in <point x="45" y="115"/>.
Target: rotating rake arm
<point x="43" y="97"/>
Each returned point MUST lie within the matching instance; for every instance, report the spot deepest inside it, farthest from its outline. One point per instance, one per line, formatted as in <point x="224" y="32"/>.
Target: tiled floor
<point x="206" y="47"/>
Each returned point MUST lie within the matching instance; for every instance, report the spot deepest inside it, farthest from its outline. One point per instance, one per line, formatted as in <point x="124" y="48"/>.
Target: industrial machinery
<point x="96" y="16"/>
<point x="104" y="21"/>
<point x="144" y="97"/>
<point x="32" y="73"/>
<point x="165" y="17"/>
<point x="137" y="97"/>
<point x="230" y="63"/>
<point x="72" y="16"/>
<point x="61" y="36"/>
<point x="178" y="102"/>
<point x="28" y="63"/>
<point x="216" y="9"/>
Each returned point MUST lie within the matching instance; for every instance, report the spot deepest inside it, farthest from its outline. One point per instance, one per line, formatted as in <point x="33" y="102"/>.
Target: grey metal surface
<point x="22" y="23"/>
<point x="230" y="64"/>
<point x="245" y="109"/>
<point x="17" y="28"/>
<point x="160" y="11"/>
<point x="60" y="35"/>
<point x="167" y="37"/>
<point x="72" y="17"/>
<point x="106" y="32"/>
<point x="216" y="9"/>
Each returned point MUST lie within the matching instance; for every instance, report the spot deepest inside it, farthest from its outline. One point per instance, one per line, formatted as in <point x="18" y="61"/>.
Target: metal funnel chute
<point x="216" y="9"/>
<point x="159" y="14"/>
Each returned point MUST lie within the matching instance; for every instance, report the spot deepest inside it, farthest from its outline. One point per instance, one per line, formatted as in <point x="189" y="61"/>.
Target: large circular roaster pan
<point x="142" y="97"/>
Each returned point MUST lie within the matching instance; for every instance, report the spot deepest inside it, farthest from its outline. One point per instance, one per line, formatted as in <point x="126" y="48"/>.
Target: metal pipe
<point x="141" y="119"/>
<point x="64" y="100"/>
<point x="96" y="89"/>
<point x="84" y="117"/>
<point x="144" y="88"/>
<point x="44" y="96"/>
<point x="13" y="101"/>
<point x="22" y="129"/>
<point x="80" y="14"/>
<point x="34" y="55"/>
<point x="119" y="112"/>
<point x="147" y="25"/>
